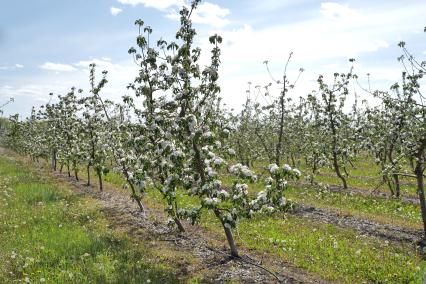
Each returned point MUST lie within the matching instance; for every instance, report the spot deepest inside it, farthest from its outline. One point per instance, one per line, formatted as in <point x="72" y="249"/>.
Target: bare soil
<point x="197" y="252"/>
<point x="360" y="191"/>
<point x="365" y="192"/>
<point x="365" y="227"/>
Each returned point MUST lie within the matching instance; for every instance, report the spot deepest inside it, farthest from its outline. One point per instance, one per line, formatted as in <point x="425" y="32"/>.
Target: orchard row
<point x="181" y="140"/>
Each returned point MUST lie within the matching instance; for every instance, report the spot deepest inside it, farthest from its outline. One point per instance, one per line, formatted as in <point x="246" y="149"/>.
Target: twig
<point x="239" y="258"/>
<point x="377" y="187"/>
<point x="259" y="266"/>
<point x="167" y="240"/>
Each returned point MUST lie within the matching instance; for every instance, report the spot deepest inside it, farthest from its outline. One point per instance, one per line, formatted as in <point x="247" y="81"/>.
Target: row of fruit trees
<point x="181" y="140"/>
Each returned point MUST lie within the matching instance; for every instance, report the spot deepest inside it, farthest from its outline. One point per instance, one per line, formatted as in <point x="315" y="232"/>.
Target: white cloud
<point x="104" y="63"/>
<point x="35" y="89"/>
<point x="318" y="38"/>
<point x="27" y="95"/>
<point x="330" y="37"/>
<point x="11" y="67"/>
<point x="334" y="10"/>
<point x="272" y="5"/>
<point x="322" y="38"/>
<point x="207" y="13"/>
<point x="157" y="4"/>
<point x="57" y="67"/>
<point x="115" y="11"/>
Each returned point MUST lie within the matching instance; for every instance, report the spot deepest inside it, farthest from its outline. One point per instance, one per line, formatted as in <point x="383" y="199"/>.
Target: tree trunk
<point x="394" y="177"/>
<point x="397" y="186"/>
<point x="420" y="185"/>
<point x="74" y="165"/>
<point x="314" y="171"/>
<point x="179" y="225"/>
<point x="54" y="160"/>
<point x="229" y="237"/>
<point x="132" y="187"/>
<point x="385" y="178"/>
<point x="421" y="193"/>
<point x="88" y="174"/>
<point x="68" y="169"/>
<point x="135" y="196"/>
<point x="101" y="186"/>
<point x="337" y="170"/>
<point x="390" y="186"/>
<point x="335" y="142"/>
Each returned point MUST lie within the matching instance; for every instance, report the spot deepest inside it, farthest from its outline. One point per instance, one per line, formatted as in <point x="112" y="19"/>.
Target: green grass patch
<point x="380" y="209"/>
<point x="331" y="252"/>
<point x="47" y="234"/>
<point x="387" y="211"/>
<point x="408" y="187"/>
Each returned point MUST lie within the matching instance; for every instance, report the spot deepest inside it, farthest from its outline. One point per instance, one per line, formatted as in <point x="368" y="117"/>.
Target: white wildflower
<point x="273" y="168"/>
<point x="287" y="168"/>
<point x="297" y="172"/>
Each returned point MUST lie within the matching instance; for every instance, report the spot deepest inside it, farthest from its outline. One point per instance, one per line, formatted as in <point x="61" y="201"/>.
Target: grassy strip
<point x="50" y="235"/>
<point x="407" y="189"/>
<point x="334" y="253"/>
<point x="385" y="211"/>
<point x="380" y="209"/>
<point x="331" y="252"/>
<point x="366" y="175"/>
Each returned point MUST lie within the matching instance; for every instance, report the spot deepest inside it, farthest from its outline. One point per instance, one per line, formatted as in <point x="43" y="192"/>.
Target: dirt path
<point x="386" y="231"/>
<point x="363" y="226"/>
<point x="378" y="179"/>
<point x="197" y="252"/>
<point x="210" y="253"/>
<point x="214" y="255"/>
<point x="363" y="192"/>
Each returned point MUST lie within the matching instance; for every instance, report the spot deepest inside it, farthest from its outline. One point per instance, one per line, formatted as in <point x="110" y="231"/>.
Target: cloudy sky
<point x="46" y="45"/>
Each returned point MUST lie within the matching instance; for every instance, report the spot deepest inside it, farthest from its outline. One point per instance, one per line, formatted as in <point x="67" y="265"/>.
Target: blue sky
<point x="46" y="45"/>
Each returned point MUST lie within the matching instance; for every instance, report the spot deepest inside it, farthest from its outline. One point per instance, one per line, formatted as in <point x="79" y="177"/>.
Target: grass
<point x="331" y="252"/>
<point x="334" y="253"/>
<point x="50" y="235"/>
<point x="379" y="209"/>
<point x="408" y="187"/>
<point x="366" y="175"/>
<point x="382" y="210"/>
